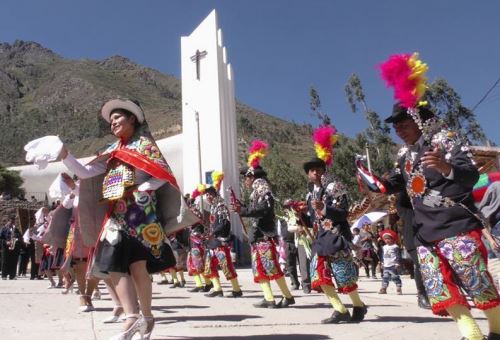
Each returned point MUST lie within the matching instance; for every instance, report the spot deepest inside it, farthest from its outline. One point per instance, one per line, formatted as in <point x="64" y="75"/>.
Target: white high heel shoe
<point x="68" y="290"/>
<point x="87" y="307"/>
<point x="150" y="323"/>
<point x="140" y="325"/>
<point x="117" y="312"/>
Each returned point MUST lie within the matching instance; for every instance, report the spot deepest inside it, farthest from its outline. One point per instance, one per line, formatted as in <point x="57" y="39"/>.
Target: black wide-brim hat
<point x="400" y="113"/>
<point x="314" y="163"/>
<point x="257" y="172"/>
<point x="211" y="190"/>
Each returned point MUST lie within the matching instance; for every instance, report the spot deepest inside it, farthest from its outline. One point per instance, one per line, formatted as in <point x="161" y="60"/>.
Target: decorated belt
<point x="433" y="199"/>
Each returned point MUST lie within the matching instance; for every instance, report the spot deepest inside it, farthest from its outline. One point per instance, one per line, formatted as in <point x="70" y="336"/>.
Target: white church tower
<point x="208" y="110"/>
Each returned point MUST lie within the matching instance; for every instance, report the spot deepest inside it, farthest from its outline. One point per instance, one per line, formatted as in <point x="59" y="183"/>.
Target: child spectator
<point x="391" y="261"/>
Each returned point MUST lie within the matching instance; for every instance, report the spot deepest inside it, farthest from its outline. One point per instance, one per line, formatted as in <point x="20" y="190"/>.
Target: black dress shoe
<point x="358" y="313"/>
<point x="306" y="289"/>
<point x="236" y="294"/>
<point x="493" y="336"/>
<point x="182" y="283"/>
<point x="215" y="293"/>
<point x="423" y="301"/>
<point x="175" y="285"/>
<point x="163" y="282"/>
<point x="195" y="289"/>
<point x="338" y="317"/>
<point x="285" y="302"/>
<point x="295" y="286"/>
<point x="265" y="304"/>
<point x="207" y="288"/>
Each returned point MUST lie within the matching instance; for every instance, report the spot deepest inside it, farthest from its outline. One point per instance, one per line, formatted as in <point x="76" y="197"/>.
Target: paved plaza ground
<point x="31" y="311"/>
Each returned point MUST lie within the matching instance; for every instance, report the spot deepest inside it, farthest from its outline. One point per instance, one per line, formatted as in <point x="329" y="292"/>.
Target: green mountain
<point x="42" y="93"/>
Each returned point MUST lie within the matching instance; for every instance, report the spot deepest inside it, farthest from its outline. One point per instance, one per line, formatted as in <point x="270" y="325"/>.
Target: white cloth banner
<point x="59" y="189"/>
<point x="43" y="150"/>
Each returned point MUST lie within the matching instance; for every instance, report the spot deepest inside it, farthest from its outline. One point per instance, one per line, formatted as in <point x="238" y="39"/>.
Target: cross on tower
<point x="196" y="58"/>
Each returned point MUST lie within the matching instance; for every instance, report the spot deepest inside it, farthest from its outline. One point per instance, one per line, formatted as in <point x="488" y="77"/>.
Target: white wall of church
<point x="212" y="97"/>
<point x="208" y="110"/>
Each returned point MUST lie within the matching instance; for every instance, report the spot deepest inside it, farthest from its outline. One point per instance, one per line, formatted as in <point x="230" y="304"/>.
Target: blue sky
<point x="280" y="48"/>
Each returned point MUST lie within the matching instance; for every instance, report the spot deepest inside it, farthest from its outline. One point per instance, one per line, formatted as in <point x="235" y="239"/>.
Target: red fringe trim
<point x="440" y="307"/>
<point x="347" y="289"/>
<point x="489" y="304"/>
<point x="260" y="278"/>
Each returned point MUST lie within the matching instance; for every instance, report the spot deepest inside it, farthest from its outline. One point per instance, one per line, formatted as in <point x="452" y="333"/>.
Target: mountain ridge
<point x="42" y="93"/>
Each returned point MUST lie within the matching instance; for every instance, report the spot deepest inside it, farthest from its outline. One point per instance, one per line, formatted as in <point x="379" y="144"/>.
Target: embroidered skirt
<point x="131" y="233"/>
<point x="454" y="263"/>
<point x="265" y="265"/>
<point x="220" y="256"/>
<point x="196" y="258"/>
<point x="340" y="266"/>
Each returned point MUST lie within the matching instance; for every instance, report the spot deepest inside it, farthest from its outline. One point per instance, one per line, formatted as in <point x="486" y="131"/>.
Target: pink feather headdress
<point x="324" y="139"/>
<point x="200" y="190"/>
<point x="406" y="74"/>
<point x="257" y="151"/>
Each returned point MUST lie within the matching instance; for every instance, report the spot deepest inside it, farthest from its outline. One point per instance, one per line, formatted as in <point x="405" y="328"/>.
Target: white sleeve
<point x="68" y="201"/>
<point x="84" y="171"/>
<point x="151" y="184"/>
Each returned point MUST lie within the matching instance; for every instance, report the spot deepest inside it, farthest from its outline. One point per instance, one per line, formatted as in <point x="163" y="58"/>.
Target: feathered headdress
<point x="200" y="190"/>
<point x="217" y="177"/>
<point x="257" y="151"/>
<point x="406" y="74"/>
<point x="324" y="139"/>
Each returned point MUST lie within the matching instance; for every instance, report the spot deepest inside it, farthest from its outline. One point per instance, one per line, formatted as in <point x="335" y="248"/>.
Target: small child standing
<point x="391" y="261"/>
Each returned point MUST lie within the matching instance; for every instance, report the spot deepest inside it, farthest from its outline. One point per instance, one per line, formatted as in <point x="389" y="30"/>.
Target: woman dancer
<point x="132" y="241"/>
<point x="77" y="251"/>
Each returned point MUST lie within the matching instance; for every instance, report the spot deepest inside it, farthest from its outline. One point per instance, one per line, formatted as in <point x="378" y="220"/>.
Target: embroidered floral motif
<point x="463" y="256"/>
<point x="265" y="264"/>
<point x="120" y="206"/>
<point x="142" y="198"/>
<point x="136" y="214"/>
<point x="153" y="234"/>
<point x="220" y="256"/>
<point x="195" y="262"/>
<point x="432" y="277"/>
<point x="339" y="266"/>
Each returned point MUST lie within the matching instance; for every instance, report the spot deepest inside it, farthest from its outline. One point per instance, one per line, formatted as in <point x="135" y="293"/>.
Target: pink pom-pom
<point x="195" y="194"/>
<point x="257" y="145"/>
<point x="323" y="135"/>
<point x="257" y="151"/>
<point x="396" y="72"/>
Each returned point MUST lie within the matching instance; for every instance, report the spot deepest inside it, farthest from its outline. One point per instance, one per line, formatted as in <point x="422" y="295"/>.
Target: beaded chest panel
<point x="116" y="181"/>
